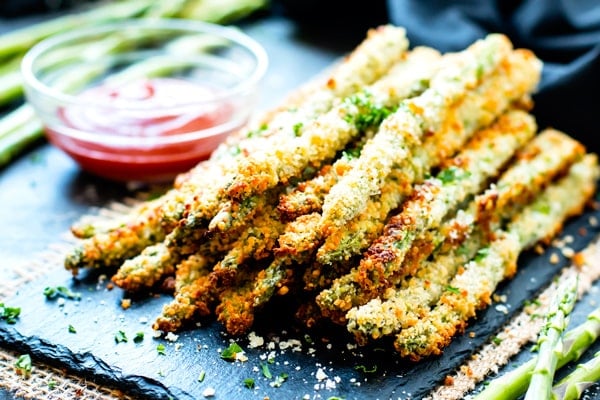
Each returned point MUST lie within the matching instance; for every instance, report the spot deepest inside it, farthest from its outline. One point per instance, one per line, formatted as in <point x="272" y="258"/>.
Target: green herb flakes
<point x="278" y="381"/>
<point x="482" y="253"/>
<point x="265" y="371"/>
<point x="52" y="384"/>
<point x="23" y="365"/>
<point x="249" y="383"/>
<point x="52" y="293"/>
<point x="120" y="336"/>
<point x="72" y="329"/>
<point x="139" y="337"/>
<point x="452" y="289"/>
<point x="9" y="314"/>
<point x="201" y="376"/>
<point x="452" y="174"/>
<point x="366" y="370"/>
<point x="160" y="349"/>
<point x="229" y="353"/>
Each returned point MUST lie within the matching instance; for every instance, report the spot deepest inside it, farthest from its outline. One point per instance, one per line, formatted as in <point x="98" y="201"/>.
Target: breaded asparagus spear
<point x="402" y="307"/>
<point x="319" y="140"/>
<point x="308" y="196"/>
<point x="536" y="165"/>
<point x="407" y="126"/>
<point x="193" y="294"/>
<point x="161" y="259"/>
<point x="483" y="157"/>
<point x="256" y="242"/>
<point x="471" y="290"/>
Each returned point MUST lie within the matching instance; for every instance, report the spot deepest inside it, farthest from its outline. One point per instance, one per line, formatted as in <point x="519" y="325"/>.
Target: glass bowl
<point x="143" y="100"/>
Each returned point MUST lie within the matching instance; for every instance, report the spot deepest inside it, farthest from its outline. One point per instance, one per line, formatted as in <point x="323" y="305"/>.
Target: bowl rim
<point x="229" y="32"/>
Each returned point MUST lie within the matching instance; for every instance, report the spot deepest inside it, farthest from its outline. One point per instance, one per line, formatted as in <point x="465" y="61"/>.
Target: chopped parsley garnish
<point x="368" y="115"/>
<point x="257" y="132"/>
<point x="249" y="383"/>
<point x="352" y="153"/>
<point x="120" y="336"/>
<point x="496" y="340"/>
<point x="139" y="336"/>
<point x="265" y="371"/>
<point x="230" y="352"/>
<point x="52" y="293"/>
<point x="366" y="370"/>
<point x="160" y="349"/>
<point x="543" y="208"/>
<point x="335" y="398"/>
<point x="23" y="365"/>
<point x="482" y="253"/>
<point x="9" y="314"/>
<point x="297" y="128"/>
<point x="452" y="289"/>
<point x="279" y="380"/>
<point x="452" y="174"/>
<point x="72" y="329"/>
<point x="52" y="384"/>
<point x="201" y="376"/>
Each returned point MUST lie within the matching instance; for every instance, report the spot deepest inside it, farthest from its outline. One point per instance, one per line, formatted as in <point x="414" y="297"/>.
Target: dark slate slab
<point x="139" y="369"/>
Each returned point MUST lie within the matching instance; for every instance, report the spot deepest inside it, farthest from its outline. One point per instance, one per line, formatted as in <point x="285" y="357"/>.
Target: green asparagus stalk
<point x="550" y="341"/>
<point x="575" y="342"/>
<point x="21" y="40"/>
<point x="572" y="386"/>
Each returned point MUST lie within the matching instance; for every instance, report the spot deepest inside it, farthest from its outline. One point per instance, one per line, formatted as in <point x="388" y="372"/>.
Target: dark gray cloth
<point x="564" y="34"/>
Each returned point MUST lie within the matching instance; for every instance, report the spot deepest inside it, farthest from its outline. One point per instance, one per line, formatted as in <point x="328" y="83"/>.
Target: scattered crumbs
<point x="125" y="304"/>
<point x="306" y="397"/>
<point x="156" y="334"/>
<point x="171" y="337"/>
<point x="499" y="298"/>
<point x="554" y="258"/>
<point x="320" y="375"/>
<point x="471" y="334"/>
<point x="539" y="249"/>
<point x="60" y="302"/>
<point x="328" y="346"/>
<point x="569" y="239"/>
<point x="593" y="221"/>
<point x="330" y="384"/>
<point x="298" y="368"/>
<point x="568" y="252"/>
<point x="208" y="392"/>
<point x="178" y="346"/>
<point x="102" y="302"/>
<point x="254" y="340"/>
<point x="294" y="344"/>
<point x="351" y="346"/>
<point x="501" y="308"/>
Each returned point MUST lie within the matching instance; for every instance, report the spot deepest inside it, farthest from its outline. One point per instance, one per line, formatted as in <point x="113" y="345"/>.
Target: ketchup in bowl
<point x="143" y="99"/>
<point x="150" y="129"/>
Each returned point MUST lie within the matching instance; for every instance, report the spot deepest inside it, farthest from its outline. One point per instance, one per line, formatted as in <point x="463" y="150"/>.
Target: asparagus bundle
<point x="393" y="200"/>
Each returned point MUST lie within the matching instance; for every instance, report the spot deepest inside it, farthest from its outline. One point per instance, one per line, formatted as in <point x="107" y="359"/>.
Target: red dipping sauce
<point x="147" y="130"/>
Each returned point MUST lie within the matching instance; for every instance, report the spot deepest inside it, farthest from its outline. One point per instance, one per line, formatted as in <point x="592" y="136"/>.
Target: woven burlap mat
<point x="48" y="382"/>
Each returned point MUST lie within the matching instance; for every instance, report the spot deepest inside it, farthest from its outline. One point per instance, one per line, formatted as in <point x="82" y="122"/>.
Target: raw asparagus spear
<point x="571" y="387"/>
<point x="575" y="342"/>
<point x="550" y="341"/>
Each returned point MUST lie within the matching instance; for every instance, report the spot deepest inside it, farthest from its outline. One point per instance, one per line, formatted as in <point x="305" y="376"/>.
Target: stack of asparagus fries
<point x="393" y="195"/>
